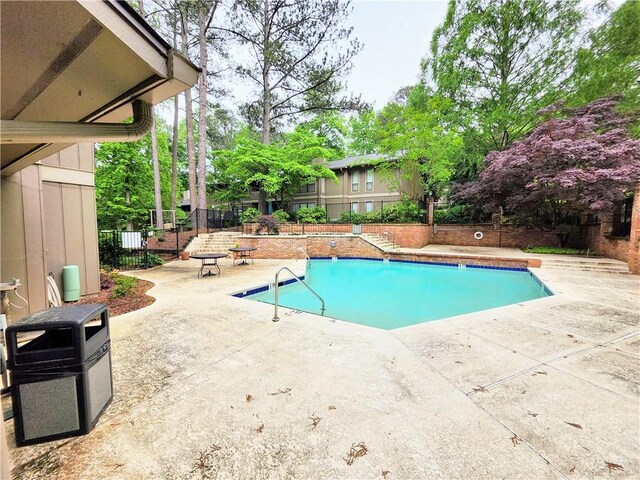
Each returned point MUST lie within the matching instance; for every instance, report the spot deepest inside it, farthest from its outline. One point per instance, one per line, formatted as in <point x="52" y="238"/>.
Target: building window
<point x="368" y="206"/>
<point x="354" y="207"/>
<point x="308" y="188"/>
<point x="298" y="205"/>
<point x="622" y="218"/>
<point x="370" y="180"/>
<point x="355" y="181"/>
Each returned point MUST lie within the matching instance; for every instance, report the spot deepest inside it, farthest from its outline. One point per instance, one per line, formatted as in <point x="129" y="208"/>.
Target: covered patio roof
<point x="79" y="61"/>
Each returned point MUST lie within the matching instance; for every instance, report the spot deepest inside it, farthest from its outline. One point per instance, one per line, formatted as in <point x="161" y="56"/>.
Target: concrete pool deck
<point x="207" y="386"/>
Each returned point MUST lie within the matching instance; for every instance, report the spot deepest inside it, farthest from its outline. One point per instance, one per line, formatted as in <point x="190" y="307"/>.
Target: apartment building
<point x="359" y="188"/>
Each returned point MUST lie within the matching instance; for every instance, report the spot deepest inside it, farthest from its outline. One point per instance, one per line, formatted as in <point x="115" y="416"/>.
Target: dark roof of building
<point x="358" y="160"/>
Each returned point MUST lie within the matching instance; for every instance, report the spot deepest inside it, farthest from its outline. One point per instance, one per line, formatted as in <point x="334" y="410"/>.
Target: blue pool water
<point x="396" y="294"/>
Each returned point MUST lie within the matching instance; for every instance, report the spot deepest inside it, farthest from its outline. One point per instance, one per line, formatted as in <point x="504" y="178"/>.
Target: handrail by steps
<point x="275" y="304"/>
<point x="302" y="250"/>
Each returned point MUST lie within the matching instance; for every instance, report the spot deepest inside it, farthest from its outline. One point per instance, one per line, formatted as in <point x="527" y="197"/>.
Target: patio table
<point x="208" y="256"/>
<point x="243" y="254"/>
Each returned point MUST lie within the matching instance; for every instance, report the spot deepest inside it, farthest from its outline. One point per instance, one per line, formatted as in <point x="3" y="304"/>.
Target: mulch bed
<point x="135" y="300"/>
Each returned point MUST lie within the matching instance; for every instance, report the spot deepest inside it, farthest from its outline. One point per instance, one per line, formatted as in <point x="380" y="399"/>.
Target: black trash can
<point x="60" y="365"/>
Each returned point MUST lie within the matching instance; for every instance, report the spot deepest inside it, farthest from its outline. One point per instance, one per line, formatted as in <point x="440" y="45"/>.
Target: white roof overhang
<point x="80" y="61"/>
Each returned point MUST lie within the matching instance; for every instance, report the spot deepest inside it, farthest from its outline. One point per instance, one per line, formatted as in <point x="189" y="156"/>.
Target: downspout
<point x="18" y="131"/>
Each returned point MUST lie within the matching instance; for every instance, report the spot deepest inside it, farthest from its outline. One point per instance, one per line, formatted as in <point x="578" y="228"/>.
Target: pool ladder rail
<point x="302" y="250"/>
<point x="275" y="303"/>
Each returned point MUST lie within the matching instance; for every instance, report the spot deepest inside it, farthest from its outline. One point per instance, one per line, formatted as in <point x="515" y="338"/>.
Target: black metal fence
<point x="212" y="219"/>
<point x="125" y="250"/>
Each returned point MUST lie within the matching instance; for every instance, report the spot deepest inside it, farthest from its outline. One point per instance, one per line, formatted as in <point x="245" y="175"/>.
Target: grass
<point x="561" y="251"/>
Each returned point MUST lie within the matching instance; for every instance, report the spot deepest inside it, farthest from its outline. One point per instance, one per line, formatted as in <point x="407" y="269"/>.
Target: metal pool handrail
<point x="275" y="304"/>
<point x="302" y="250"/>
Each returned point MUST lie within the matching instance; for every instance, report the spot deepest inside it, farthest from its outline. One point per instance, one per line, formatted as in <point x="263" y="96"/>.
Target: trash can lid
<point x="70" y="316"/>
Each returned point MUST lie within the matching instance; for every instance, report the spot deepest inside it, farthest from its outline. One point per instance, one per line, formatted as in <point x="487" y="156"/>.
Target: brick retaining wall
<point x="493" y="236"/>
<point x="341" y="245"/>
<point x="407" y="235"/>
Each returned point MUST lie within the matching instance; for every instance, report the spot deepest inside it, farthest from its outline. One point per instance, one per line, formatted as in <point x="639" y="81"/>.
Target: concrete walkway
<point x="206" y="386"/>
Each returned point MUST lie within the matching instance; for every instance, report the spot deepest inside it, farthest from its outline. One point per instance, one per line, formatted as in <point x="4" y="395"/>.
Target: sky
<point x="396" y="35"/>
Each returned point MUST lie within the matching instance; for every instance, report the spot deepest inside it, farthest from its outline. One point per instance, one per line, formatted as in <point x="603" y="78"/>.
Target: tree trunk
<point x="202" y="106"/>
<point x="188" y="107"/>
<point x="176" y="129"/>
<point x="266" y="100"/>
<point x="156" y="171"/>
<point x="127" y="199"/>
<point x="174" y="151"/>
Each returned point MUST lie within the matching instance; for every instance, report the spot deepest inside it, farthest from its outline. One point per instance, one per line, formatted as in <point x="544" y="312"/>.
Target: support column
<point x="634" y="238"/>
<point x="431" y="209"/>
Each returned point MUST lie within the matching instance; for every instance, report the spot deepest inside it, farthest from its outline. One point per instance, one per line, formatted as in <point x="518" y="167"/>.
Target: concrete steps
<point x="604" y="265"/>
<point x="218" y="242"/>
<point x="379" y="241"/>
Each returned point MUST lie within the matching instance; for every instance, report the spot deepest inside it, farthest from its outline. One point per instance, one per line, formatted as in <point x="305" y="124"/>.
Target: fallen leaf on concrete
<point x="457" y="361"/>
<point x="331" y="407"/>
<point x="523" y="392"/>
<point x="281" y="392"/>
<point x="577" y="425"/>
<point x="541" y="372"/>
<point x="613" y="466"/>
<point x="315" y="420"/>
<point x="259" y="429"/>
<point x="357" y="450"/>
<point x="479" y="389"/>
<point x="514" y="440"/>
<point x="249" y="398"/>
<point x="385" y="473"/>
<point x="573" y="469"/>
<point x="570" y="336"/>
<point x="532" y="414"/>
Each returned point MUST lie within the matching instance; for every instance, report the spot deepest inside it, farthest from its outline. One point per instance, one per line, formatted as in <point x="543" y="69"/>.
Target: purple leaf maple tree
<point x="582" y="162"/>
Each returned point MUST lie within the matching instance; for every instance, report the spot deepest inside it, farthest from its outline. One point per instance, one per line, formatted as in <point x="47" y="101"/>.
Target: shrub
<point x="560" y="251"/>
<point x="405" y="211"/>
<point x="311" y="215"/>
<point x="281" y="216"/>
<point x="460" y="214"/>
<point x="268" y="223"/>
<point x="105" y="281"/>
<point x="358" y="218"/>
<point x="124" y="285"/>
<point x="249" y="215"/>
<point x="154" y="260"/>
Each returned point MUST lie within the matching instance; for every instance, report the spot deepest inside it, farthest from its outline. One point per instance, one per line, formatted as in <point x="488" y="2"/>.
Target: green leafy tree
<point x="125" y="181"/>
<point x="500" y="61"/>
<point x="279" y="169"/>
<point x="362" y="133"/>
<point x="423" y="147"/>
<point x="610" y="64"/>
<point x="124" y="184"/>
<point x="297" y="55"/>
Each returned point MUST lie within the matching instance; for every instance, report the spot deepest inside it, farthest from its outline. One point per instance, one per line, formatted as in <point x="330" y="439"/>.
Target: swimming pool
<point x="393" y="294"/>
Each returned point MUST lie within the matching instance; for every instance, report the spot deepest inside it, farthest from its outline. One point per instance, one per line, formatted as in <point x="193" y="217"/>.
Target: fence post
<point x="177" y="244"/>
<point x="114" y="246"/>
<point x="381" y="211"/>
<point x="146" y="248"/>
<point x="197" y="223"/>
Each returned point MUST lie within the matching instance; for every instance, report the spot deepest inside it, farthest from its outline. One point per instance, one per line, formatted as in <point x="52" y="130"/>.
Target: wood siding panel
<point x="70" y="157"/>
<point x="54" y="231"/>
<point x="12" y="243"/>
<point x="73" y="230"/>
<point x="36" y="282"/>
<point x="53" y="160"/>
<point x="90" y="229"/>
<point x="86" y="157"/>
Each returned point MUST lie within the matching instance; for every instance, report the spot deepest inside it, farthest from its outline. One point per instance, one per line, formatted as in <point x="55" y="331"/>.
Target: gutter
<point x="17" y="131"/>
